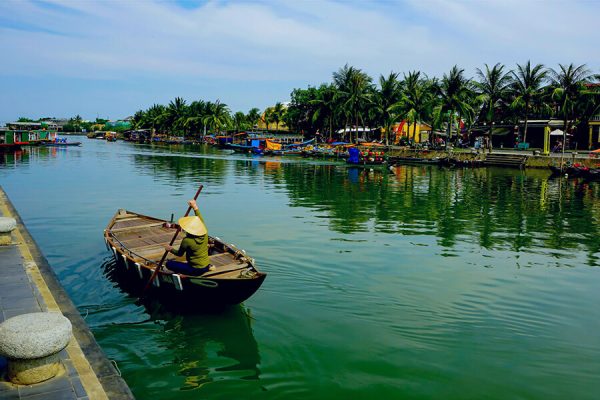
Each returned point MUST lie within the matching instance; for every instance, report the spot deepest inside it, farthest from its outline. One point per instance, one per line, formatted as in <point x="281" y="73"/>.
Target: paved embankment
<point x="28" y="284"/>
<point x="531" y="158"/>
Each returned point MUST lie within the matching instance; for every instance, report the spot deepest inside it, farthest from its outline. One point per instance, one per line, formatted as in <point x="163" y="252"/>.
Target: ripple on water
<point x="428" y="283"/>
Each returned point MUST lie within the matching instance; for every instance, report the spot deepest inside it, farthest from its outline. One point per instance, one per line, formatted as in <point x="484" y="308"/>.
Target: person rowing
<point x="194" y="246"/>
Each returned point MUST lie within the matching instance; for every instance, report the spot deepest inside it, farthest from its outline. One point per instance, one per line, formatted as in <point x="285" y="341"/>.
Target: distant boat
<point x="137" y="242"/>
<point x="60" y="144"/>
<point x="239" y="148"/>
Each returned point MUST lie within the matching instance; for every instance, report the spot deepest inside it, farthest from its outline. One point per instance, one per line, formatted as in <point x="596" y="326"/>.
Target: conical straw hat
<point x="193" y="225"/>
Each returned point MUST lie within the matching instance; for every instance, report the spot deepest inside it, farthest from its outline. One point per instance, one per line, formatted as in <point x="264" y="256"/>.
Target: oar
<point x="162" y="260"/>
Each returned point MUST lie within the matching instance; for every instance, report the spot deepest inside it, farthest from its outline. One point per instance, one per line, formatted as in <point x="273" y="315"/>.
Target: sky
<point x="110" y="58"/>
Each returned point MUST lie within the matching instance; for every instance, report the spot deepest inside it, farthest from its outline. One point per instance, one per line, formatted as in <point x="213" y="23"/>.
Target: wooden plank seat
<point x="143" y="232"/>
<point x="145" y="241"/>
<point x="147" y="225"/>
<point x="221" y="259"/>
<point x="130" y="222"/>
<point x="152" y="246"/>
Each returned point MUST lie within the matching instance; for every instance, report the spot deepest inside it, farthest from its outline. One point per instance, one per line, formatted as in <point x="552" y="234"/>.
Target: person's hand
<point x="193" y="204"/>
<point x="168" y="248"/>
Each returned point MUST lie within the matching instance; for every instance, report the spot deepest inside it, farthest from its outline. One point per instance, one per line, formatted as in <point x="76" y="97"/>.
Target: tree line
<point x="182" y="119"/>
<point x="353" y="99"/>
<point x="497" y="95"/>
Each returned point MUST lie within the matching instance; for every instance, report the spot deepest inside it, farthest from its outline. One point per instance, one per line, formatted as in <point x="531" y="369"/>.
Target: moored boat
<point x="137" y="242"/>
<point x="60" y="144"/>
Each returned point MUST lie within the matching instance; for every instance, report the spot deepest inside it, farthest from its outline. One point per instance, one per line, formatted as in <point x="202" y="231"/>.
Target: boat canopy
<point x="271" y="145"/>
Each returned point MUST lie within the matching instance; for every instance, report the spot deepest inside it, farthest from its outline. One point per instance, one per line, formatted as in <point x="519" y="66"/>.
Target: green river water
<point x="426" y="283"/>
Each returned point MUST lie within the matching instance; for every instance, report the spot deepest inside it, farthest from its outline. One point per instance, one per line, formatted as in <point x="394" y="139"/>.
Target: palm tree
<point x="217" y="116"/>
<point x="341" y="82"/>
<point x="454" y="91"/>
<point x="268" y="116"/>
<point x="239" y="120"/>
<point x="176" y="114"/>
<point x="568" y="87"/>
<point x="417" y="99"/>
<point x="197" y="111"/>
<point x="389" y="94"/>
<point x="325" y="104"/>
<point x="354" y="88"/>
<point x="492" y="88"/>
<point x="253" y="116"/>
<point x="155" y="117"/>
<point x="138" y="119"/>
<point x="76" y="122"/>
<point x="277" y="114"/>
<point x="527" y="88"/>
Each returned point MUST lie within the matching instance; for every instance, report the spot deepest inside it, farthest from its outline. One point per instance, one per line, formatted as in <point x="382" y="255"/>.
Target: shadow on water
<point x="203" y="345"/>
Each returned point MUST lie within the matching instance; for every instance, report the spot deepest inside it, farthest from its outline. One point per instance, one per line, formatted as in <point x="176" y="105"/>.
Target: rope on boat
<point x="205" y="283"/>
<point x="247" y="273"/>
<point x="114" y="363"/>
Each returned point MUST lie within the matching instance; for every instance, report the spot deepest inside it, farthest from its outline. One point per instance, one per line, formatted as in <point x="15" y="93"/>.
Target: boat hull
<point x="61" y="144"/>
<point x="207" y="292"/>
<point x="137" y="241"/>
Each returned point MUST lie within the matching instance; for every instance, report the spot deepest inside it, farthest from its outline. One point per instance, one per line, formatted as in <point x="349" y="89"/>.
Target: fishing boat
<point x="137" y="243"/>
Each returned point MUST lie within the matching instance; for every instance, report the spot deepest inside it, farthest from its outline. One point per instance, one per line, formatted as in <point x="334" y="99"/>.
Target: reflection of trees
<point x="212" y="170"/>
<point x="495" y="208"/>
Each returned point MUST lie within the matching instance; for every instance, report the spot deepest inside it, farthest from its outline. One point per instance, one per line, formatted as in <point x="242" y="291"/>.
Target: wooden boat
<point x="571" y="171"/>
<point x="137" y="242"/>
<point x="413" y="160"/>
<point x="592" y="174"/>
<point x="239" y="148"/>
<point x="60" y="144"/>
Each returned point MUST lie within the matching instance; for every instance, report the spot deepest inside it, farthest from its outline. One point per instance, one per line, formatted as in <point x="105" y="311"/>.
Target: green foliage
<point x="353" y="100"/>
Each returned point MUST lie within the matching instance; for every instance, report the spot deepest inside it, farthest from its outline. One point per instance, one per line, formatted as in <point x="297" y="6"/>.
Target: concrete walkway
<point x="28" y="284"/>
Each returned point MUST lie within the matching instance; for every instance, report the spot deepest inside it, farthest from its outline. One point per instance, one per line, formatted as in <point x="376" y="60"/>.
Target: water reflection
<point x="493" y="208"/>
<point x="202" y="347"/>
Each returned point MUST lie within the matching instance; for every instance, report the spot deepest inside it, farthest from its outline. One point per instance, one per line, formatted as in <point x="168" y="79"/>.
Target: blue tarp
<point x="353" y="155"/>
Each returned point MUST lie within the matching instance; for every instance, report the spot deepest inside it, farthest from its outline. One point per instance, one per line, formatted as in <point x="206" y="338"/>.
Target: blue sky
<point x="110" y="58"/>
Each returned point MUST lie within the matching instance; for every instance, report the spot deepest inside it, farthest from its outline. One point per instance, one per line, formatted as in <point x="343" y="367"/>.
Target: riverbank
<point x="532" y="160"/>
<point x="28" y="284"/>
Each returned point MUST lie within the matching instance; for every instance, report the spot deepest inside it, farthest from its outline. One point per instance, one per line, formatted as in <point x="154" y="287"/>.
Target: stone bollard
<point x="32" y="343"/>
<point x="7" y="225"/>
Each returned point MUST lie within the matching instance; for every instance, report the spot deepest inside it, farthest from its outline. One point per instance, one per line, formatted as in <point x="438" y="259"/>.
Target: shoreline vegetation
<point x="498" y="108"/>
<point x="455" y="106"/>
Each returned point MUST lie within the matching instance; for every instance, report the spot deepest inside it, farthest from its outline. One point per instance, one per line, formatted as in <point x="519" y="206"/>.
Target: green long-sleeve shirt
<point x="195" y="248"/>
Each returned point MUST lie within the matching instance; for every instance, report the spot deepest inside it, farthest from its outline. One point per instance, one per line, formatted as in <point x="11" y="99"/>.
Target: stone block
<point x="7" y="225"/>
<point x="31" y="342"/>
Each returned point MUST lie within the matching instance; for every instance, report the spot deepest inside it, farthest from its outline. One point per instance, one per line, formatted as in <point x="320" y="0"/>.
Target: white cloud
<point x="301" y="41"/>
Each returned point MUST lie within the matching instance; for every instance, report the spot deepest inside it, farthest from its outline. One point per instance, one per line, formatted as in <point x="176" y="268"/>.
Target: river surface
<point x="426" y="283"/>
